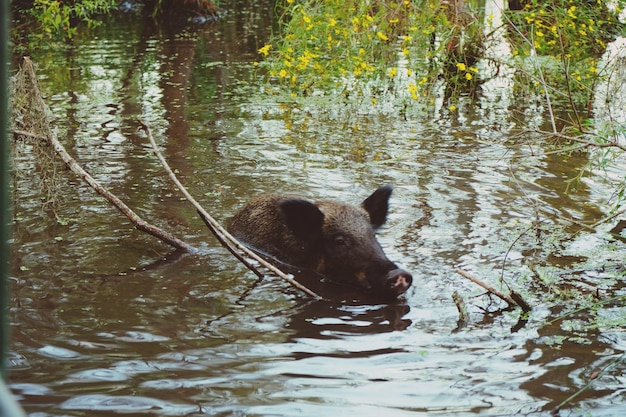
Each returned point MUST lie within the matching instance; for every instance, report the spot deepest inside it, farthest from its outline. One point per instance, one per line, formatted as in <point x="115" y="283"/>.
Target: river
<point x="107" y="320"/>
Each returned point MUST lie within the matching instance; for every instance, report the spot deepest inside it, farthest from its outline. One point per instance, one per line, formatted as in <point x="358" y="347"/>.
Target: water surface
<point x="106" y="320"/>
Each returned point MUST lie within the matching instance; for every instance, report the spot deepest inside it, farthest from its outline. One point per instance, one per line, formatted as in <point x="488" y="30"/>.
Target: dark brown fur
<point x="335" y="239"/>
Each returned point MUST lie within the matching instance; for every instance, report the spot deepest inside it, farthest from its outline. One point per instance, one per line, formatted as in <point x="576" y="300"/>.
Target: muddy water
<point x="107" y="320"/>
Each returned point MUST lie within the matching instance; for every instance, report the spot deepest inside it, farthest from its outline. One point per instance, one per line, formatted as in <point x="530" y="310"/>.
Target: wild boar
<point x="335" y="239"/>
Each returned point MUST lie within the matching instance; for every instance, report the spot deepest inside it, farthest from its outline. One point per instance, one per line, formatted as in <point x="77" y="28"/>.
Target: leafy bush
<point x="60" y="17"/>
<point x="336" y="45"/>
<point x="368" y="48"/>
<point x="570" y="35"/>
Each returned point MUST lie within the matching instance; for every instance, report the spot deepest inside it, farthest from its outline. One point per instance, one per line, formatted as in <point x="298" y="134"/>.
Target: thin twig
<point x="544" y="84"/>
<point x="555" y="411"/>
<point x="225" y="237"/>
<point x="609" y="218"/>
<point x="584" y="141"/>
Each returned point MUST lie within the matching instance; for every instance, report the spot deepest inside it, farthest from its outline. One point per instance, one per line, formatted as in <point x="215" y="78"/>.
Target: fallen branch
<point x="510" y="300"/>
<point x="225" y="238"/>
<point x="71" y="163"/>
<point x="139" y="223"/>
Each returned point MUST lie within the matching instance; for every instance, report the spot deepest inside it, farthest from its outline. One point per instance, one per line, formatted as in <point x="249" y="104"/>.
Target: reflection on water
<point x="106" y="320"/>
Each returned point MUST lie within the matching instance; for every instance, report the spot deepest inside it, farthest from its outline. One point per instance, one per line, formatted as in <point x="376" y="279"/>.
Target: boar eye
<point x="340" y="241"/>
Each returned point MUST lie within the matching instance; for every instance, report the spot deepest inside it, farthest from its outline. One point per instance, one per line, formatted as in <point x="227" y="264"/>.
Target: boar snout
<point x="397" y="282"/>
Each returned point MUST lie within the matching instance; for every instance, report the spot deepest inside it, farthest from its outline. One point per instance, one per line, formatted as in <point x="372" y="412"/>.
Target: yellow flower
<point x="265" y="50"/>
<point x="452" y="107"/>
<point x="570" y="12"/>
<point x="393" y="71"/>
<point x="413" y="91"/>
<point x="468" y="76"/>
<point x="332" y="22"/>
<point x="283" y="73"/>
<point x="473" y="69"/>
<point x="460" y="66"/>
<point x="382" y="36"/>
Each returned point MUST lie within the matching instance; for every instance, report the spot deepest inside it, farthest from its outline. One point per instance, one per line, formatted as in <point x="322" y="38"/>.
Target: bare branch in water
<point x="71" y="163"/>
<point x="225" y="238"/>
<point x="510" y="300"/>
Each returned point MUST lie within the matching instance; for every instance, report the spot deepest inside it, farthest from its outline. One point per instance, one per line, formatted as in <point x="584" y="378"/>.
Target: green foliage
<point x="570" y="35"/>
<point x="563" y="27"/>
<point x="59" y="17"/>
<point x="366" y="48"/>
<point x="336" y="45"/>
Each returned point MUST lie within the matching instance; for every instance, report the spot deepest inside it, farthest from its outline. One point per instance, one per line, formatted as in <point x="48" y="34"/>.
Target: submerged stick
<point x="495" y="292"/>
<point x="229" y="241"/>
<point x="460" y="305"/>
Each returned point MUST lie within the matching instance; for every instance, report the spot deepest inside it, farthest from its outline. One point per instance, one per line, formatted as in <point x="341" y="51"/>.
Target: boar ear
<point x="302" y="217"/>
<point x="377" y="205"/>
